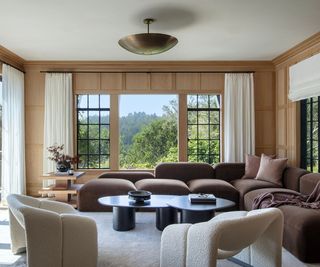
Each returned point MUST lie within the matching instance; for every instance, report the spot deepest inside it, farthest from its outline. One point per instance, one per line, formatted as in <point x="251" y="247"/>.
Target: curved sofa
<point x="301" y="226"/>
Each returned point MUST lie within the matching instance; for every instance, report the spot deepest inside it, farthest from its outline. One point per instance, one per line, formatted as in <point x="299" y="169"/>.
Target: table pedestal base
<point x="191" y="216"/>
<point x="166" y="216"/>
<point x="124" y="219"/>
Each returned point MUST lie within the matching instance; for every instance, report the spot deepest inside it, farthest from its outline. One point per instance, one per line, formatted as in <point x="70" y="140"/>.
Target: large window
<point x="310" y="134"/>
<point x="148" y="130"/>
<point x="204" y="128"/>
<point x="93" y="139"/>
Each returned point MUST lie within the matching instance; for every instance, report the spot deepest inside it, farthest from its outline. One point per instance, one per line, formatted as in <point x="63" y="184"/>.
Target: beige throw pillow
<point x="252" y="167"/>
<point x="271" y="170"/>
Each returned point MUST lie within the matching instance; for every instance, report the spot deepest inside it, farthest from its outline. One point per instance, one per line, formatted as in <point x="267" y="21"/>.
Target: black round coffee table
<point x="124" y="211"/>
<point x="195" y="213"/>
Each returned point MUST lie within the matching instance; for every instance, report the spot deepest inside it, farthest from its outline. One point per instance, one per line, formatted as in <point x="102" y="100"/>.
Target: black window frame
<point x="308" y="142"/>
<point x="88" y="139"/>
<point x="211" y="156"/>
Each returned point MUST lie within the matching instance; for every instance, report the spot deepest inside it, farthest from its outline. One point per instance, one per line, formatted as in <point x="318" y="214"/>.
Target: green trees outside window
<point x="204" y="128"/>
<point x="93" y="127"/>
<point x="148" y="131"/>
<point x="310" y="142"/>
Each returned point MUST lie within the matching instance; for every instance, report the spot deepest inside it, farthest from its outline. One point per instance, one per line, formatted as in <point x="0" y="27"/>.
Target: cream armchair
<point x="255" y="237"/>
<point x="52" y="233"/>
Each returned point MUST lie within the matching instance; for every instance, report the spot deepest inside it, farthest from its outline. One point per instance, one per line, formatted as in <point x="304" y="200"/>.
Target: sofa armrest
<point x="229" y="171"/>
<point x="308" y="182"/>
<point x="291" y="177"/>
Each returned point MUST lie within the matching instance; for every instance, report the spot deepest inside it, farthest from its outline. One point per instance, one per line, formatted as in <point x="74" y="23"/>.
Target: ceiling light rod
<point x="148" y="21"/>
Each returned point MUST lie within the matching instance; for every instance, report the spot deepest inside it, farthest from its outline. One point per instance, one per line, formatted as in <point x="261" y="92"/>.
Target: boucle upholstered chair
<point x="256" y="234"/>
<point x="52" y="233"/>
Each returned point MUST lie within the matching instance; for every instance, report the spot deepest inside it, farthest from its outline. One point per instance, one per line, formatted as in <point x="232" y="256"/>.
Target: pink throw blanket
<point x="276" y="199"/>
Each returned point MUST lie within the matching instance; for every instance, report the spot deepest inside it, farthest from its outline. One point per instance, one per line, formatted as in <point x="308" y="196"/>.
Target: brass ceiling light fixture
<point x="148" y="43"/>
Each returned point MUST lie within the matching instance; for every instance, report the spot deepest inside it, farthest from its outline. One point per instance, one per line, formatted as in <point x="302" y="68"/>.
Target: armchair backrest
<point x="237" y="233"/>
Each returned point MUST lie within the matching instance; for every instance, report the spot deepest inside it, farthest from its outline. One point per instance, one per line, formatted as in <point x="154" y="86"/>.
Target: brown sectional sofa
<point x="302" y="226"/>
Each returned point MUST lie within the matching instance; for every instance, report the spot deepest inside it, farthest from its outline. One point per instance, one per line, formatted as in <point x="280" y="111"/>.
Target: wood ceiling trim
<point x="288" y="57"/>
<point x="149" y="66"/>
<point x="6" y="56"/>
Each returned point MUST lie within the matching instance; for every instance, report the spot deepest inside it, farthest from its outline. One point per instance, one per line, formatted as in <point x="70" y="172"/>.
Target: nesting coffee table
<point x="167" y="207"/>
<point x="195" y="213"/>
<point x="124" y="211"/>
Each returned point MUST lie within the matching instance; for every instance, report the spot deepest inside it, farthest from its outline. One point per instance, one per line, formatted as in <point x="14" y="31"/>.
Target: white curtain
<point x="58" y="123"/>
<point x="239" y="131"/>
<point x="305" y="79"/>
<point x="13" y="135"/>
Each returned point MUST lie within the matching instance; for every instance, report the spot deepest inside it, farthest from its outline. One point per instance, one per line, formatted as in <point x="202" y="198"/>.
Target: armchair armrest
<point x="43" y="235"/>
<point x="174" y="245"/>
<point x="79" y="241"/>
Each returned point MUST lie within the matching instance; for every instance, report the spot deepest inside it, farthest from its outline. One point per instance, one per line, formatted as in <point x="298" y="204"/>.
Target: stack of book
<point x="202" y="198"/>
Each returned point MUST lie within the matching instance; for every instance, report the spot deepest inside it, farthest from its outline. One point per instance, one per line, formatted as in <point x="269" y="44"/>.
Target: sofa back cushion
<point x="184" y="171"/>
<point x="229" y="171"/>
<point x="308" y="182"/>
<point x="131" y="176"/>
<point x="291" y="177"/>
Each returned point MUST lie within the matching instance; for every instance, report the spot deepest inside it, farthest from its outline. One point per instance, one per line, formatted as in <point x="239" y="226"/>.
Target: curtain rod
<point x="4" y="62"/>
<point x="146" y="71"/>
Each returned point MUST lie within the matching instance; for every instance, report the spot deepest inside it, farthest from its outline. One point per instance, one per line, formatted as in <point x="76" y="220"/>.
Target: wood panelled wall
<point x="288" y="112"/>
<point x="198" y="80"/>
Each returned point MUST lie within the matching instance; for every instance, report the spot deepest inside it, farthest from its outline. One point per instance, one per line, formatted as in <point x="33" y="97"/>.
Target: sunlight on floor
<point x="6" y="256"/>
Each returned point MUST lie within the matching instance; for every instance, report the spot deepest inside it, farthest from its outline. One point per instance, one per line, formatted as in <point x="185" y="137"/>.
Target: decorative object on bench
<point x="139" y="195"/>
<point x="52" y="233"/>
<point x="202" y="198"/>
<point x="223" y="237"/>
<point x="64" y="162"/>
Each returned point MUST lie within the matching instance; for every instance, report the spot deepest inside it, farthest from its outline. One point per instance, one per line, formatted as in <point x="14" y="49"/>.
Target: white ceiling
<point x="206" y="29"/>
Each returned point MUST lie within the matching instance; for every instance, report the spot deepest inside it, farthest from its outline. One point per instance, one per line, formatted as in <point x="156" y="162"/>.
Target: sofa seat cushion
<point x="246" y="185"/>
<point x="91" y="191"/>
<point x="163" y="186"/>
<point x="217" y="187"/>
<point x="250" y="196"/>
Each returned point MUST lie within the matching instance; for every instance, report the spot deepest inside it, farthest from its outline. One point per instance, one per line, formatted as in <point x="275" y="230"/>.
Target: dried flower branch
<point x="59" y="157"/>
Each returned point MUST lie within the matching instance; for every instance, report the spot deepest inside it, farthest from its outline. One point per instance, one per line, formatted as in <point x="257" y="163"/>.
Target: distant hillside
<point x="132" y="123"/>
